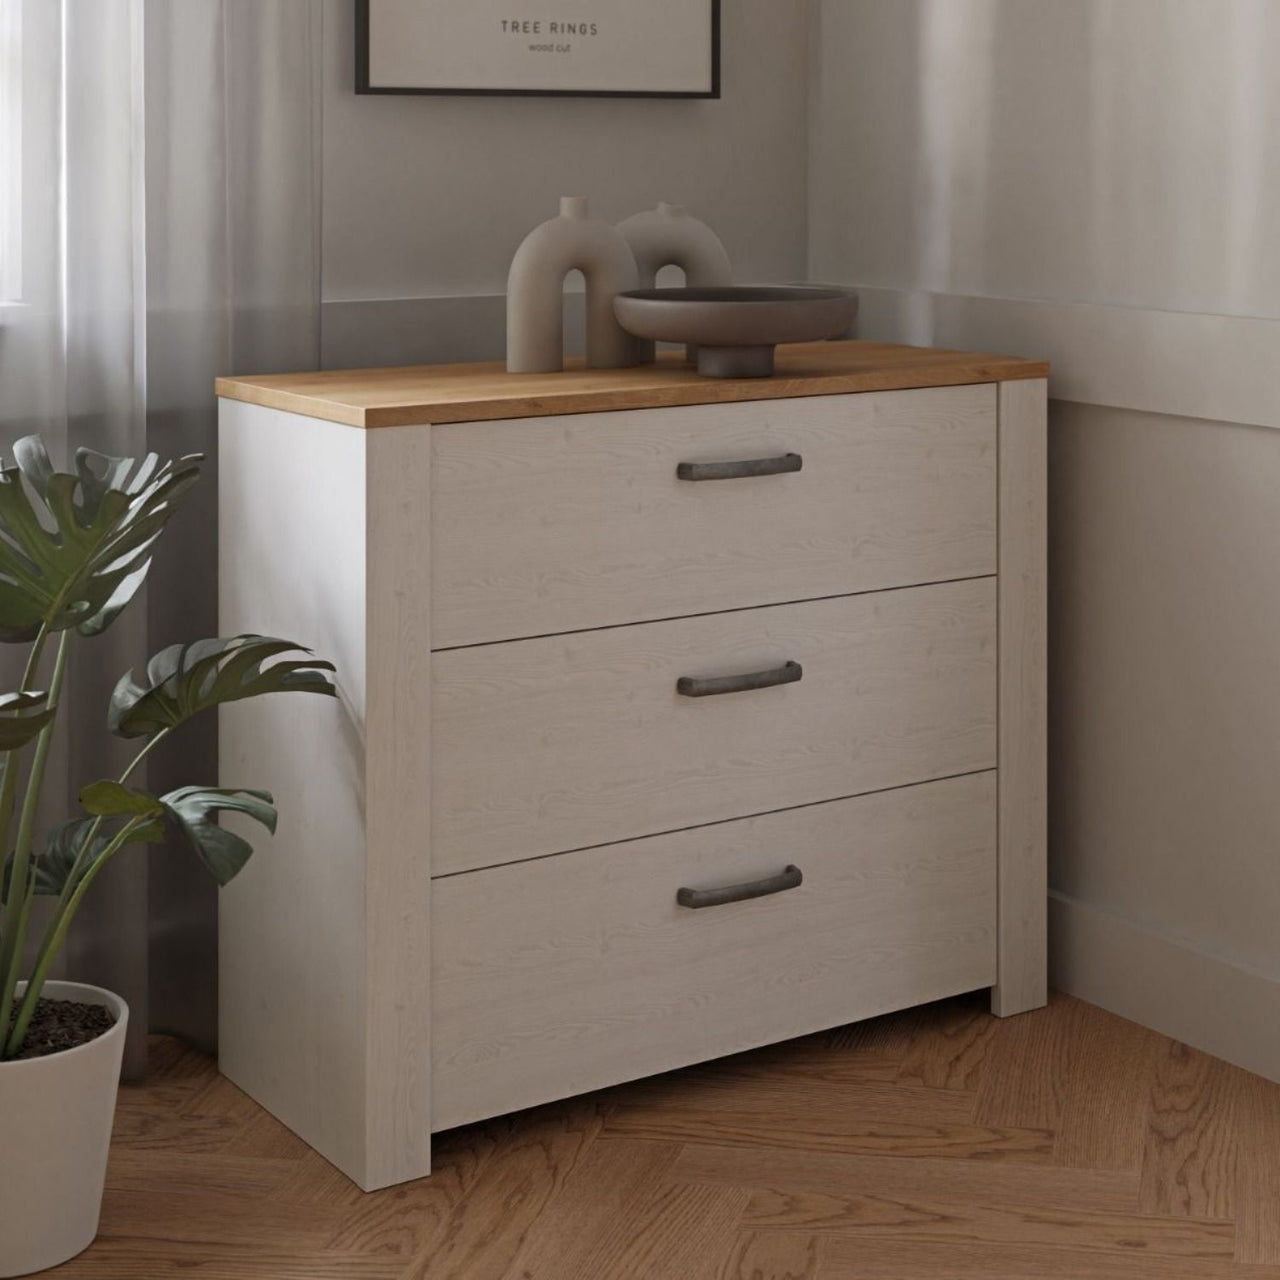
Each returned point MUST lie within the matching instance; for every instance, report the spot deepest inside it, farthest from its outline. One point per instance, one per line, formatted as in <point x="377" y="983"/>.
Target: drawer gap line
<point x="718" y="822"/>
<point x="711" y="613"/>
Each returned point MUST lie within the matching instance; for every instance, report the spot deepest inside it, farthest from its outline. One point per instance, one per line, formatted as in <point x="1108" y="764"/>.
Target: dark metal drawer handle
<point x="789" y="878"/>
<point x="738" y="470"/>
<point x="704" y="687"/>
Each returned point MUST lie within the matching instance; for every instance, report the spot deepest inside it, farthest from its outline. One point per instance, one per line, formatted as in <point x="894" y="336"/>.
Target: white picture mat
<point x="646" y="46"/>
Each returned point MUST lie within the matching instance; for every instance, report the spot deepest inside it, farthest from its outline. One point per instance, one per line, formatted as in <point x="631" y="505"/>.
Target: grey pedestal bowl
<point x="735" y="327"/>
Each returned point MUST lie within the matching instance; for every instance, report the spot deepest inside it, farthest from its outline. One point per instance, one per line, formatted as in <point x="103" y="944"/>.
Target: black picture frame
<point x="365" y="87"/>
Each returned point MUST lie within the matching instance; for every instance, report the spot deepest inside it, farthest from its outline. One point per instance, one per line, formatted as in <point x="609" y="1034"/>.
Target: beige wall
<point x="1111" y="151"/>
<point x="1098" y="181"/>
<point x="1166" y="596"/>
<point x="425" y="199"/>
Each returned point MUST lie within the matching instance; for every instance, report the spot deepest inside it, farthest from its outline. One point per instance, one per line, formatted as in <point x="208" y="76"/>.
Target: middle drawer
<point x="562" y="742"/>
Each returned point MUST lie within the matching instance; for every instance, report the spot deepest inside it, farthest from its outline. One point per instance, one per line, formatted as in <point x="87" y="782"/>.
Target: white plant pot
<point x="55" y="1128"/>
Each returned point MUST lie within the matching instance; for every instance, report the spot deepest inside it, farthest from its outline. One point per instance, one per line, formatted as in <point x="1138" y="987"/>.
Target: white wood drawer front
<point x="567" y="741"/>
<point x="565" y="523"/>
<point x="569" y="973"/>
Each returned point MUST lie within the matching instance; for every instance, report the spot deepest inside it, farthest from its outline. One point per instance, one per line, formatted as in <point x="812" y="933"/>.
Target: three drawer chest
<point x="676" y="716"/>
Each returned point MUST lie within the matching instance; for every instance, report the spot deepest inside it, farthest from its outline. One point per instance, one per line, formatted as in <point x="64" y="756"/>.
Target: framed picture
<point x="575" y="48"/>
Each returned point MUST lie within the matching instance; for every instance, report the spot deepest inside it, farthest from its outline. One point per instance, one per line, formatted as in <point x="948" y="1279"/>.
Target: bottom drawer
<point x="564" y="974"/>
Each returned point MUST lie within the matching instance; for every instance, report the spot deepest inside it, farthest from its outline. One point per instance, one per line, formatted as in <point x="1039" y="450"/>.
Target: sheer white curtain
<point x="158" y="226"/>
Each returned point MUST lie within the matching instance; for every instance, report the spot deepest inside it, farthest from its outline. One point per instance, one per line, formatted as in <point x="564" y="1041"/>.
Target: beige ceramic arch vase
<point x="55" y="1128"/>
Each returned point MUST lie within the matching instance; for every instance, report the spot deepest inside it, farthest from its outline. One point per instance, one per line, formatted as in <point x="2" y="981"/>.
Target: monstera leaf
<point x="109" y="799"/>
<point x="57" y="861"/>
<point x="76" y="546"/>
<point x="188" y="678"/>
<point x="107" y="802"/>
<point x="194" y="810"/>
<point x="22" y="716"/>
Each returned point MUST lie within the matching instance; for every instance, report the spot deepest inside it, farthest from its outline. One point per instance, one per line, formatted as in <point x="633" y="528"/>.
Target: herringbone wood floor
<point x="1066" y="1144"/>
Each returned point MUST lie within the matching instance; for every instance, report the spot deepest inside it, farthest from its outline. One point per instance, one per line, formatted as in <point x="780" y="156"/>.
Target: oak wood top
<point x="419" y="394"/>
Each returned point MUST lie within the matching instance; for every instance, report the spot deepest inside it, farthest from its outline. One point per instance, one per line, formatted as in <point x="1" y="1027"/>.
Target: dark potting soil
<point x="63" y="1024"/>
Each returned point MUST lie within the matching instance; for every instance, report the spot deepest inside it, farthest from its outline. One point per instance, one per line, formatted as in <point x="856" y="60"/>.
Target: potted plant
<point x="74" y="549"/>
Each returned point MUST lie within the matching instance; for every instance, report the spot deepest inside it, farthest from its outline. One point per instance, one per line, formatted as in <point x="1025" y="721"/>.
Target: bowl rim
<point x="772" y="295"/>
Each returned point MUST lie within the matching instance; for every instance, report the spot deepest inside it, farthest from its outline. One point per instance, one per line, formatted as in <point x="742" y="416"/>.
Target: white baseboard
<point x="443" y="330"/>
<point x="1164" y="983"/>
<point x="1220" y="368"/>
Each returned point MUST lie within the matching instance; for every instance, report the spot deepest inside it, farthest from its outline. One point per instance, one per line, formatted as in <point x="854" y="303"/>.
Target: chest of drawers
<point x="676" y="717"/>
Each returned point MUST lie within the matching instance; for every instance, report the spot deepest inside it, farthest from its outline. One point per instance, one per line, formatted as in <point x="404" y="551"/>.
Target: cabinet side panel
<point x="292" y="924"/>
<point x="1023" y="749"/>
<point x="398" y="885"/>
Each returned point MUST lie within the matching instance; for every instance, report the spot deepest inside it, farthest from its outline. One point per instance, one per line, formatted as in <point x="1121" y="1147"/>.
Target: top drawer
<point x="566" y="523"/>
